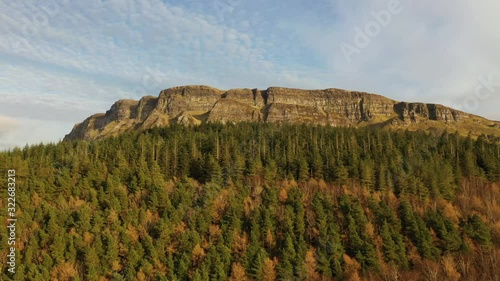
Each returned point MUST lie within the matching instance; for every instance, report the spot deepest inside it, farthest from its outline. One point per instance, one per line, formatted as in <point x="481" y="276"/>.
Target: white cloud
<point x="65" y="62"/>
<point x="47" y="95"/>
<point x="121" y="38"/>
<point x="7" y="124"/>
<point x="75" y="59"/>
<point x="430" y="52"/>
<point x="30" y="131"/>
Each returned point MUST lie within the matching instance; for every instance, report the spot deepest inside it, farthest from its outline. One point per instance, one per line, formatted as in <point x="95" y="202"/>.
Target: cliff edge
<point x="193" y="105"/>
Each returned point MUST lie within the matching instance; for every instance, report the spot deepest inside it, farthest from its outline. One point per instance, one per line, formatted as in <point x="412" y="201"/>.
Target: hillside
<point x="193" y="105"/>
<point x="257" y="201"/>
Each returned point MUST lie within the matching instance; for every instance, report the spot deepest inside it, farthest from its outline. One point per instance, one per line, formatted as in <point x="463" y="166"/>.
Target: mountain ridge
<point x="195" y="104"/>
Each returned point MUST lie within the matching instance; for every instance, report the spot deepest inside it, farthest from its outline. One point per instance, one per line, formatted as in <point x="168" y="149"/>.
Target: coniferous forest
<point x="257" y="202"/>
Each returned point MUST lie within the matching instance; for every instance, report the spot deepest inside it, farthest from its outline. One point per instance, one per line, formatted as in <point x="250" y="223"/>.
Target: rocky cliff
<point x="192" y="105"/>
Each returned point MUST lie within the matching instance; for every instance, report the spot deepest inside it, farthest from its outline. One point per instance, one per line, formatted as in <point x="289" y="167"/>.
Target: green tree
<point x="476" y="229"/>
<point x="416" y="229"/>
<point x="285" y="266"/>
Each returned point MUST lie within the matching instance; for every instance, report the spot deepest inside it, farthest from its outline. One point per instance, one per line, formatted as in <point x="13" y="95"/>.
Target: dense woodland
<point x="257" y="202"/>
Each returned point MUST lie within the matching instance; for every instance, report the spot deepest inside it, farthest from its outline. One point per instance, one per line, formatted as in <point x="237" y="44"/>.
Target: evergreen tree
<point x="285" y="267"/>
<point x="476" y="229"/>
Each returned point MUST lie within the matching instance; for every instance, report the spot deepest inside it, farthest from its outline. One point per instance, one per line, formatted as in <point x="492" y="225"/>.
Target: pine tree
<point x="476" y="229"/>
<point x="268" y="270"/>
<point x="389" y="247"/>
<point x="310" y="266"/>
<point x="285" y="267"/>
<point x="359" y="244"/>
<point x="341" y="173"/>
<point x="213" y="171"/>
<point x="450" y="240"/>
<point x="237" y="273"/>
<point x="416" y="229"/>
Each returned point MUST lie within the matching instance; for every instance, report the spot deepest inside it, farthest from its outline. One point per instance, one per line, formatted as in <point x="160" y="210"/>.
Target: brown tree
<point x="310" y="265"/>
<point x="269" y="270"/>
<point x="238" y="273"/>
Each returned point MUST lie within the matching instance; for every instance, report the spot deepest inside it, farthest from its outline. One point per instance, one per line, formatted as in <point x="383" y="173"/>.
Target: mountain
<point x="266" y="199"/>
<point x="193" y="105"/>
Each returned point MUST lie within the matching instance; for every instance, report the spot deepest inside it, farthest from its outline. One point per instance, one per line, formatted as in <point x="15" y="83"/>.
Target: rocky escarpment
<point x="413" y="112"/>
<point x="192" y="105"/>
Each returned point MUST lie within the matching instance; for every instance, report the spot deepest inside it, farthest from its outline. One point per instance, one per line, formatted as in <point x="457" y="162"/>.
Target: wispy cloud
<point x="29" y="131"/>
<point x="64" y="60"/>
<point x="431" y="51"/>
<point x="7" y="124"/>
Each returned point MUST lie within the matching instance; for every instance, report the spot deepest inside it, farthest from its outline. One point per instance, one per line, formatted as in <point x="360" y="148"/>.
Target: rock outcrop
<point x="193" y="105"/>
<point x="413" y="112"/>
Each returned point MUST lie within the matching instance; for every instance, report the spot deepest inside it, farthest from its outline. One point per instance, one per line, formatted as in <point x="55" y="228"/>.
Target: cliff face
<point x="413" y="112"/>
<point x="192" y="105"/>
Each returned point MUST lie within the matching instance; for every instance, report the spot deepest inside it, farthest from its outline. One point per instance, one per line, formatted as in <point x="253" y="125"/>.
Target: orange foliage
<point x="269" y="270"/>
<point x="351" y="270"/>
<point x="198" y="254"/>
<point x="132" y="233"/>
<point x="237" y="273"/>
<point x="88" y="238"/>
<point x="449" y="269"/>
<point x="310" y="264"/>
<point x="64" y="272"/>
<point x="283" y="195"/>
<point x="219" y="205"/>
<point x="215" y="231"/>
<point x="240" y="243"/>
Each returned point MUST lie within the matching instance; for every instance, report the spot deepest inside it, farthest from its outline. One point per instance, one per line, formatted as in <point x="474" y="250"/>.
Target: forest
<point x="257" y="202"/>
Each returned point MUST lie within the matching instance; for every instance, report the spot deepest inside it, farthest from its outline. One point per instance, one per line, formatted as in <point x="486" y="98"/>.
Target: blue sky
<point x="61" y="60"/>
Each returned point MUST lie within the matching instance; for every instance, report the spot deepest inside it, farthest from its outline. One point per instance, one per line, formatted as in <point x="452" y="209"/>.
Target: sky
<point x="62" y="61"/>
